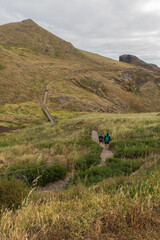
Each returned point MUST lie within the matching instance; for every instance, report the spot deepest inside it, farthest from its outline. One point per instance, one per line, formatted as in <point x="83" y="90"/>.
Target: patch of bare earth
<point x="56" y="186"/>
<point x="6" y="129"/>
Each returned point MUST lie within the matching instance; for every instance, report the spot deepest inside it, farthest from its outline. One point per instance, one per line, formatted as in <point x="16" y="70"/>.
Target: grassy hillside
<point x="100" y="202"/>
<point x="117" y="205"/>
<point x="31" y="57"/>
<point x="119" y="200"/>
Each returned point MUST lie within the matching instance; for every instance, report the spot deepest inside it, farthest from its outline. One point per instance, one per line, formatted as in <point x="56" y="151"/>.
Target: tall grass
<point x="44" y="174"/>
<point x="125" y="204"/>
<point x="120" y="214"/>
<point x="114" y="167"/>
<point x="12" y="193"/>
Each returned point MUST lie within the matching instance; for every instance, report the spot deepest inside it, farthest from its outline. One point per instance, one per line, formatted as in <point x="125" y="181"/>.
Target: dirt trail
<point x="59" y="185"/>
<point x="6" y="129"/>
<point x="106" y="153"/>
<point x="56" y="186"/>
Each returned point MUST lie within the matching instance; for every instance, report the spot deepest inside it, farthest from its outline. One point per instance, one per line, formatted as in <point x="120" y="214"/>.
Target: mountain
<point x="31" y="57"/>
<point x="27" y="34"/>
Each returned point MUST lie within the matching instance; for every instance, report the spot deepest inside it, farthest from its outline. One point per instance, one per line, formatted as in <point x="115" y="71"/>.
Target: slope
<point x="120" y="205"/>
<point x="31" y="57"/>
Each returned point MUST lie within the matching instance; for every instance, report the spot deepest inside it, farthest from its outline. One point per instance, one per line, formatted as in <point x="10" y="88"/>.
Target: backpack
<point x="100" y="137"/>
<point x="107" y="139"/>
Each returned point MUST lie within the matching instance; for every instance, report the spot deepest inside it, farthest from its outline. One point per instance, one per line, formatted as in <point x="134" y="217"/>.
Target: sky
<point x="107" y="27"/>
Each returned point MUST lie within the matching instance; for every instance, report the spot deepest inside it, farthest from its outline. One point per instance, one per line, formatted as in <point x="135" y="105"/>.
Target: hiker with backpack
<point x="100" y="137"/>
<point x="107" y="139"/>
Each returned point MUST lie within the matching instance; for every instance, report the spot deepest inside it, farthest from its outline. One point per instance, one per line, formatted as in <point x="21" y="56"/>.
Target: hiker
<point x="100" y="137"/>
<point x="107" y="139"/>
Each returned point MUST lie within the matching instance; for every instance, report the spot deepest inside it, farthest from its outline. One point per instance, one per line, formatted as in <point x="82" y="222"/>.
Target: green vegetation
<point x="136" y="148"/>
<point x="30" y="174"/>
<point x="91" y="158"/>
<point x="1" y="67"/>
<point x="120" y="199"/>
<point x="21" y="115"/>
<point x="114" y="167"/>
<point x="12" y="193"/>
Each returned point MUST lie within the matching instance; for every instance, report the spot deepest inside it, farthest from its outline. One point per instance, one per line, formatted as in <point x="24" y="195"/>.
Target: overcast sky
<point x="107" y="27"/>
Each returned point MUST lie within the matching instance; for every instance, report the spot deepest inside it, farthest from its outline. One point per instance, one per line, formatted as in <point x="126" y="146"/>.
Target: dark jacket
<point x="101" y="137"/>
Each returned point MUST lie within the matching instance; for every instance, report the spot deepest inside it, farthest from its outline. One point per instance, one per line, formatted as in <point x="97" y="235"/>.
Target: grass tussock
<point x="12" y="193"/>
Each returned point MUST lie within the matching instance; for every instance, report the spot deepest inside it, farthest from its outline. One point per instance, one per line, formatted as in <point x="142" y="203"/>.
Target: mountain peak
<point x="30" y="35"/>
<point x="28" y="20"/>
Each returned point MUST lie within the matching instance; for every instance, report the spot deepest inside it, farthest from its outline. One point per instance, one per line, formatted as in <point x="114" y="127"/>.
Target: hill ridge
<point x="31" y="57"/>
<point x="29" y="34"/>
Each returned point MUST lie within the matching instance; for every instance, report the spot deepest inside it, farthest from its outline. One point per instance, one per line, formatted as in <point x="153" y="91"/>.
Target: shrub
<point x="114" y="167"/>
<point x="3" y="144"/>
<point x="52" y="174"/>
<point x="12" y="192"/>
<point x="135" y="148"/>
<point x="93" y="155"/>
<point x="87" y="161"/>
<point x="85" y="141"/>
<point x="81" y="164"/>
<point x="126" y="167"/>
<point x="132" y="152"/>
<point x="47" y="174"/>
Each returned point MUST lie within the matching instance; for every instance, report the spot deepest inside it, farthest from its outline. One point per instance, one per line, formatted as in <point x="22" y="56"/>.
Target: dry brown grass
<point x="122" y="208"/>
<point x="96" y="83"/>
<point x="98" y="216"/>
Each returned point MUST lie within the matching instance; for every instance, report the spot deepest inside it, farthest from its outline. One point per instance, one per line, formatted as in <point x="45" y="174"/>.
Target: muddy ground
<point x="6" y="129"/>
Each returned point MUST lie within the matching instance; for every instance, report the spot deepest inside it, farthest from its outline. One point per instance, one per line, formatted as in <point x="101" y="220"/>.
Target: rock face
<point x="127" y="58"/>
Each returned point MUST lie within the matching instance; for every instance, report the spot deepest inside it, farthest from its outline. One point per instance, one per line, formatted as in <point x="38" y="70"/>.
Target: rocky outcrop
<point x="127" y="58"/>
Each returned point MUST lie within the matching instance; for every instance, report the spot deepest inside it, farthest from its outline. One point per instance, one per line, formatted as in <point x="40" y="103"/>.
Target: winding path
<point x="106" y="153"/>
<point x="59" y="185"/>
